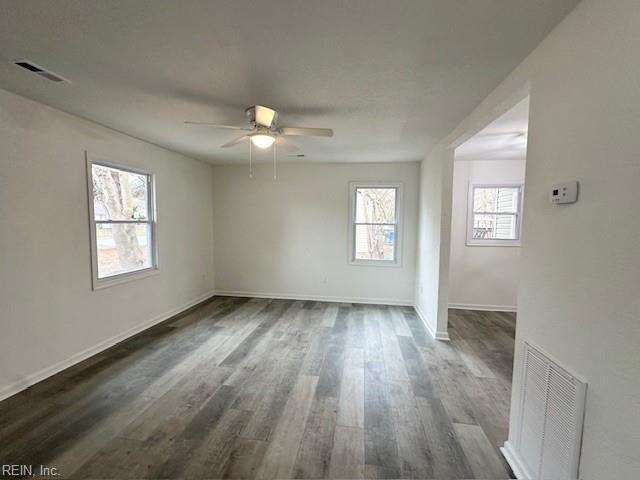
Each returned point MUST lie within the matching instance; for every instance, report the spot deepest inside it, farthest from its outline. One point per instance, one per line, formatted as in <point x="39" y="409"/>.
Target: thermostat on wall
<point x="564" y="193"/>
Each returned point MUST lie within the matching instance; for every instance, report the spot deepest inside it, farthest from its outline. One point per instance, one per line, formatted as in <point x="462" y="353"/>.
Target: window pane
<point x="484" y="199"/>
<point x="375" y="242"/>
<point x="495" y="199"/>
<point x="507" y="200"/>
<point x="119" y="195"/>
<point x="375" y="205"/>
<point x="122" y="248"/>
<point x="495" y="227"/>
<point x="506" y="227"/>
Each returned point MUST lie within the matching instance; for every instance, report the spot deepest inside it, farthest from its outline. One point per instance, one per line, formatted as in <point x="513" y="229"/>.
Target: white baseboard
<point x="514" y="461"/>
<point x="444" y="336"/>
<point x="23" y="383"/>
<point x="482" y="307"/>
<point x="316" y="298"/>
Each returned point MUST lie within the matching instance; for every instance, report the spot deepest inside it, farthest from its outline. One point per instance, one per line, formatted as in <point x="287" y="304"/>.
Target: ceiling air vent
<point x="38" y="70"/>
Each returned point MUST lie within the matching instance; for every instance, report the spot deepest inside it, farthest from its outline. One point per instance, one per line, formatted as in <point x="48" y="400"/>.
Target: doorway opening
<point x="487" y="214"/>
<point x="487" y="195"/>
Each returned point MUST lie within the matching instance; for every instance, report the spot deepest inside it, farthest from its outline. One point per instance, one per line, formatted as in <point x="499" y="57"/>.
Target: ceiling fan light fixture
<point x="262" y="141"/>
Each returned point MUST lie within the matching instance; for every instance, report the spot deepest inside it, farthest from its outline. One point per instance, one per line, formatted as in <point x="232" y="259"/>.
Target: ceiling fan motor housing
<point x="251" y="114"/>
<point x="251" y="117"/>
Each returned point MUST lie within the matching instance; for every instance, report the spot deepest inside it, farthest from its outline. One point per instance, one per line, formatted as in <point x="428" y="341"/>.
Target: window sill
<point x="375" y="263"/>
<point x="496" y="243"/>
<point x="99" y="284"/>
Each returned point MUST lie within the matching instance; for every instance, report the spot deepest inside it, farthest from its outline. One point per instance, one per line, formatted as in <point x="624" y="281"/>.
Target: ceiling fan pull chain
<point x="250" y="165"/>
<point x="275" y="154"/>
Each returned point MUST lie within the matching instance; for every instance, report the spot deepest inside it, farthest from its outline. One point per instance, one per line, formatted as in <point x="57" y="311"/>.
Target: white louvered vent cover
<point x="551" y="415"/>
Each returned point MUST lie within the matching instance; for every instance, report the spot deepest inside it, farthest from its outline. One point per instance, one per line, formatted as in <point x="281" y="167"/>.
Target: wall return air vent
<point x="549" y="428"/>
<point x="38" y="70"/>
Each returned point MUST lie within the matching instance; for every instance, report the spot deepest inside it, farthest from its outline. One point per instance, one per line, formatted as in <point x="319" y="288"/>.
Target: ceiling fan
<point x="263" y="131"/>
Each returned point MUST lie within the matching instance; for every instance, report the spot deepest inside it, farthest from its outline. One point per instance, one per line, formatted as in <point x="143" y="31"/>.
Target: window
<point x="123" y="227"/>
<point x="494" y="215"/>
<point x="374" y="230"/>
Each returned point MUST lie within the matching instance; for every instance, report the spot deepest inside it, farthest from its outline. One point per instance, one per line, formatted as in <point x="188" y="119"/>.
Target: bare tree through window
<point x="375" y="223"/>
<point x="122" y="220"/>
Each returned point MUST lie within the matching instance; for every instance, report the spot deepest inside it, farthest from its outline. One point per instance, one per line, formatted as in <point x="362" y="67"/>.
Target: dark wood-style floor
<point x="255" y="388"/>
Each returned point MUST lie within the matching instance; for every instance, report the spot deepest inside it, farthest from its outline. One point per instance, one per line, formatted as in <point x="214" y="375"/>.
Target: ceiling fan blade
<point x="264" y="116"/>
<point x="235" y="142"/>
<point x="287" y="145"/>
<point x="307" y="132"/>
<point x="208" y="124"/>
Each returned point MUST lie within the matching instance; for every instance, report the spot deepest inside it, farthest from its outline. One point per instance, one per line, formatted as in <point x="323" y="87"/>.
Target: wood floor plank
<point x="418" y="331"/>
<point x="163" y="432"/>
<point x="448" y="374"/>
<point x="317" y="444"/>
<point x="414" y="454"/>
<point x="489" y="408"/>
<point x="266" y="354"/>
<point x="179" y="404"/>
<point x="380" y="438"/>
<point x="482" y="457"/>
<point x="317" y="351"/>
<point x="69" y="461"/>
<point x="198" y="358"/>
<point x="354" y="335"/>
<point x="347" y="457"/>
<point x="393" y="360"/>
<point x="110" y="462"/>
<point x="28" y="414"/>
<point x="372" y="341"/>
<point x="377" y="471"/>
<point x="472" y="360"/>
<point x="330" y="314"/>
<point x="315" y="450"/>
<point x="351" y="403"/>
<point x="399" y="323"/>
<point x="447" y="457"/>
<point x="331" y="372"/>
<point x="271" y="314"/>
<point x="210" y="457"/>
<point x="195" y="433"/>
<point x="416" y="368"/>
<point x="281" y="454"/>
<point x="272" y="400"/>
<point x="245" y="458"/>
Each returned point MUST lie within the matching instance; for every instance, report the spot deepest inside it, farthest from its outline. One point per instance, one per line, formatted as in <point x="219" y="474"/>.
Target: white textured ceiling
<point x="503" y="139"/>
<point x="390" y="77"/>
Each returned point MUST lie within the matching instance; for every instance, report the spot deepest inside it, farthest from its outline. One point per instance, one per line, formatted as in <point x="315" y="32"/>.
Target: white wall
<point x="49" y="315"/>
<point x="580" y="264"/>
<point x="432" y="266"/>
<point x="481" y="277"/>
<point x="290" y="237"/>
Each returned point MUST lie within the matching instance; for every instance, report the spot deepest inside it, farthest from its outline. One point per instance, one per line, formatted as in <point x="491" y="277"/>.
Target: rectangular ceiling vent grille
<point x="38" y="70"/>
<point x="551" y="417"/>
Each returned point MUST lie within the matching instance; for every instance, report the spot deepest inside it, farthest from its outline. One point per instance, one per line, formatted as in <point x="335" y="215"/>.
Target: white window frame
<point x="492" y="242"/>
<point x="397" y="261"/>
<point x="99" y="283"/>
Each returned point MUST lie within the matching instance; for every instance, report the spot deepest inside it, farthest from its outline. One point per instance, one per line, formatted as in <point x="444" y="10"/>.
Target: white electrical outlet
<point x="564" y="193"/>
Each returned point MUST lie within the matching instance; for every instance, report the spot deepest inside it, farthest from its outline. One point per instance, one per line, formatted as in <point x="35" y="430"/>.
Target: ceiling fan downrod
<point x="275" y="154"/>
